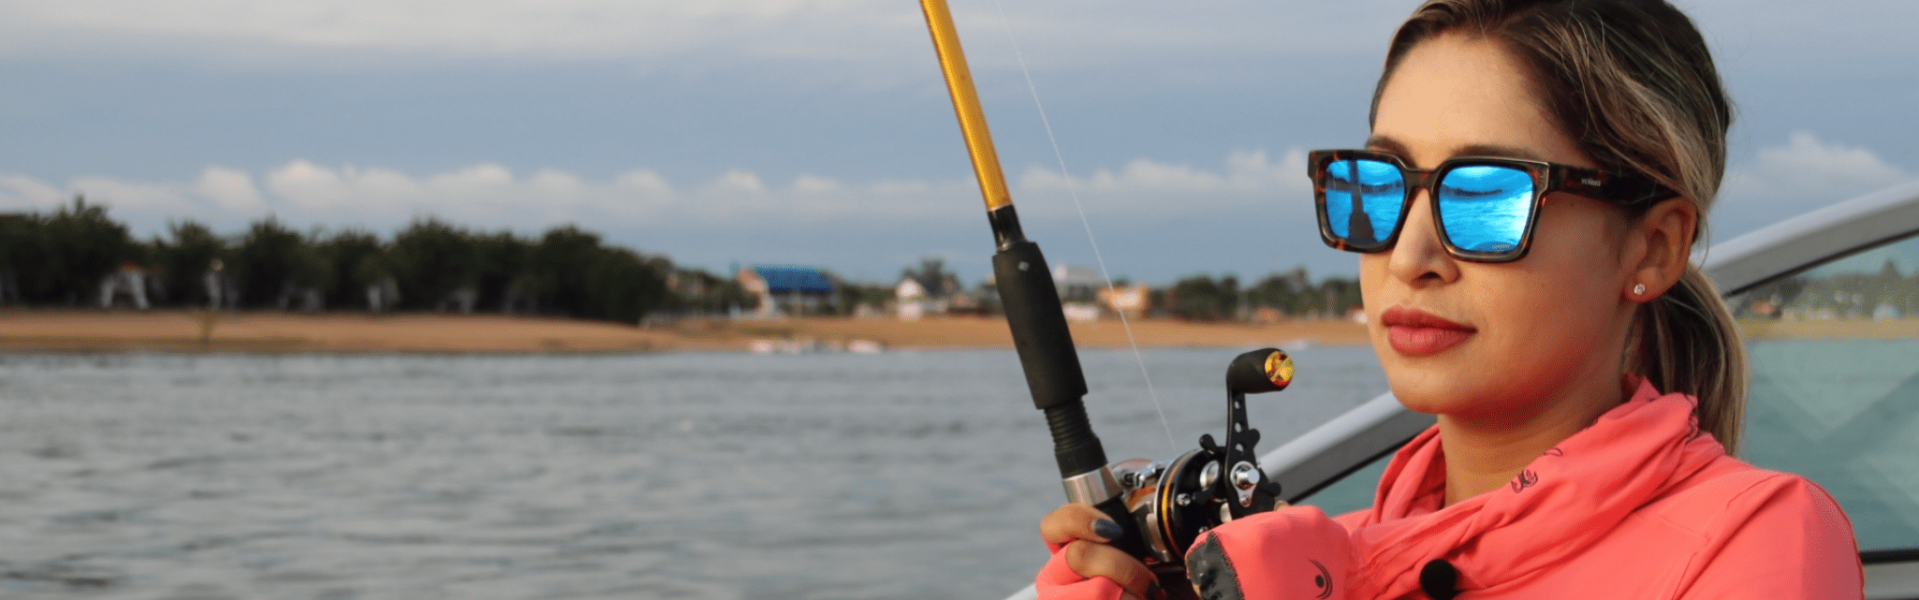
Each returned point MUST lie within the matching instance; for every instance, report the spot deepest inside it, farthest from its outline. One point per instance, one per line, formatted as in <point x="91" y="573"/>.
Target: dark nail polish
<point x="1107" y="529"/>
<point x="1154" y="592"/>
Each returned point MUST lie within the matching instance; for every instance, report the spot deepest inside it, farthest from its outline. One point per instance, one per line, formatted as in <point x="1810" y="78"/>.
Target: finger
<point x="1092" y="559"/>
<point x="1077" y="522"/>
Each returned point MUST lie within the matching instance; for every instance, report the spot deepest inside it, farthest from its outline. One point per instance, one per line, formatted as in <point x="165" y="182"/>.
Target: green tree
<point x="183" y="258"/>
<point x="431" y="259"/>
<point x="61" y="258"/>
<point x="619" y="285"/>
<point x="355" y="259"/>
<point x="268" y="258"/>
<point x="502" y="260"/>
<point x="557" y="269"/>
<point x="1198" y="298"/>
<point x="1339" y="294"/>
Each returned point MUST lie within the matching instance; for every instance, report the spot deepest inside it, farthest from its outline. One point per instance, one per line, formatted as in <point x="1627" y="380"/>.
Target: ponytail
<point x="1686" y="341"/>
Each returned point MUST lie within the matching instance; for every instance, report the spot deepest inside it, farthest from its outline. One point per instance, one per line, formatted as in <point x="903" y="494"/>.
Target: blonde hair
<point x="1632" y="83"/>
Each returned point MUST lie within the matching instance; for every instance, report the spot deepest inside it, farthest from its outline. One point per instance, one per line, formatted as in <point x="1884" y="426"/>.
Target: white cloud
<point x="712" y="218"/>
<point x="231" y="189"/>
<point x="136" y="195"/>
<point x="1801" y="175"/>
<point x="644" y="181"/>
<point x="19" y="192"/>
<point x="1245" y="171"/>
<point x="739" y="180"/>
<point x="734" y="214"/>
<point x="814" y="184"/>
<point x="1248" y="177"/>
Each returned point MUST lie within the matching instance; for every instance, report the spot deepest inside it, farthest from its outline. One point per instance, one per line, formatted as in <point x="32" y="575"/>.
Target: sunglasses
<point x="1485" y="207"/>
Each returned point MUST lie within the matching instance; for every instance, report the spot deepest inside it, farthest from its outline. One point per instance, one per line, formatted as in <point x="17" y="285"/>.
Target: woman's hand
<point x="1083" y="533"/>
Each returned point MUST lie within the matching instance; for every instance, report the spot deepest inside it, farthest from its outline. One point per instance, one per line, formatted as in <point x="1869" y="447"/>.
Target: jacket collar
<point x="1562" y="502"/>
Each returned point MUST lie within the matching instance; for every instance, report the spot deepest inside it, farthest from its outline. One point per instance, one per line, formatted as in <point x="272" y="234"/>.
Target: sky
<point x="818" y="132"/>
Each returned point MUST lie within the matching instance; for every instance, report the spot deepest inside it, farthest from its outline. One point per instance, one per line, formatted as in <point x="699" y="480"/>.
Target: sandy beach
<point x="182" y="331"/>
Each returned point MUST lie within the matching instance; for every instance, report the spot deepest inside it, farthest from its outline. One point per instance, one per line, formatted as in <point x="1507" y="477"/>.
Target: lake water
<point x="704" y="476"/>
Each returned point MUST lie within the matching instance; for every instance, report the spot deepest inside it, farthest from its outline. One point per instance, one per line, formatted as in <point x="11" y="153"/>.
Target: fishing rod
<point x="1162" y="506"/>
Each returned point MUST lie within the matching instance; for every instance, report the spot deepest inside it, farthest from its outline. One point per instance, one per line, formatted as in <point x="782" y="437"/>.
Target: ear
<point x="1664" y="236"/>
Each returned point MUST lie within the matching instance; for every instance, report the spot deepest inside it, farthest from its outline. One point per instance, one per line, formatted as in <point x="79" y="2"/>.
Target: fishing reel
<point x="1173" y="502"/>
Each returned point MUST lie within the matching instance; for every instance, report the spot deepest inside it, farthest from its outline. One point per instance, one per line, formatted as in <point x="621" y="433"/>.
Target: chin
<point x="1423" y="384"/>
<point x="1420" y="399"/>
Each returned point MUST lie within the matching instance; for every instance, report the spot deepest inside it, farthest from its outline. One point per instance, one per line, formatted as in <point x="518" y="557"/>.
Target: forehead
<point x="1454" y="95"/>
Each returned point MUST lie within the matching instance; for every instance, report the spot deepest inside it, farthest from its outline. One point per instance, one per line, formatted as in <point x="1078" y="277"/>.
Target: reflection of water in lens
<point x="1380" y="191"/>
<point x="1485" y="208"/>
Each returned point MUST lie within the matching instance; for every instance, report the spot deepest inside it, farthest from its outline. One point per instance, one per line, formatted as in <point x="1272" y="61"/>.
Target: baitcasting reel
<point x="1172" y="502"/>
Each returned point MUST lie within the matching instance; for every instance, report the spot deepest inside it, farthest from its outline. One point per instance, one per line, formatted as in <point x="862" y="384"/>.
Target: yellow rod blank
<point x="959" y="84"/>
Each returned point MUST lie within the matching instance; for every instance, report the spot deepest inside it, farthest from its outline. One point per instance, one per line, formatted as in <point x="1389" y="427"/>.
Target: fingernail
<point x="1107" y="529"/>
<point x="1154" y="592"/>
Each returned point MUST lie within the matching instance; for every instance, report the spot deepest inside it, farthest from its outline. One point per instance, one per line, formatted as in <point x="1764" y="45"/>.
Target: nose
<point x="1418" y="258"/>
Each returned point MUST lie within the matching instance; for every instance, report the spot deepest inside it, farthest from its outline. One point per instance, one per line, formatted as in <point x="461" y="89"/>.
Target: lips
<point x="1416" y="332"/>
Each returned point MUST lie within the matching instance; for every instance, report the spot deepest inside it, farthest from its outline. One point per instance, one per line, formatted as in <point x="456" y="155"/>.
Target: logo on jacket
<point x="1323" y="581"/>
<point x="1525" y="480"/>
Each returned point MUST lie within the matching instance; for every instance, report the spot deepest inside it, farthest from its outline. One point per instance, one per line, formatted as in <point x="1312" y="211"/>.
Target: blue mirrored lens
<point x="1363" y="199"/>
<point x="1485" y="208"/>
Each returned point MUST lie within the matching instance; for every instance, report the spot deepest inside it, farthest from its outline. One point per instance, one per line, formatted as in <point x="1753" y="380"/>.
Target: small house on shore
<point x="922" y="295"/>
<point x="790" y="290"/>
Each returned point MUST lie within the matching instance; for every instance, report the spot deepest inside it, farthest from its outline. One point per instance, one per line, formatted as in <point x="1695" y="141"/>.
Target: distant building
<point x="460" y="299"/>
<point x="384" y="295"/>
<point x="222" y="291"/>
<point x="1079" y="291"/>
<point x="1130" y="300"/>
<point x="130" y="280"/>
<point x="920" y="296"/>
<point x="913" y="301"/>
<point x="788" y="289"/>
<point x="1077" y="284"/>
<point x="307" y="298"/>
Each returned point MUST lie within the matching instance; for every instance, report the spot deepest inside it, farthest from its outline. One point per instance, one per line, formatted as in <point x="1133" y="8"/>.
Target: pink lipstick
<point x="1416" y="332"/>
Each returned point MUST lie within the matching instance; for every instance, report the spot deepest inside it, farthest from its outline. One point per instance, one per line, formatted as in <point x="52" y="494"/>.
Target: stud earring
<point x="1639" y="289"/>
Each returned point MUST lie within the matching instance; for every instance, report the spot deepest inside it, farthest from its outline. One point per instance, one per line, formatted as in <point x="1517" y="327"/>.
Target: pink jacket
<point x="1640" y="505"/>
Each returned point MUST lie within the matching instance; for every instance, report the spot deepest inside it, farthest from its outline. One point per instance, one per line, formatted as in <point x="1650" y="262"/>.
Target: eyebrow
<point x="1391" y="146"/>
<point x="1387" y="145"/>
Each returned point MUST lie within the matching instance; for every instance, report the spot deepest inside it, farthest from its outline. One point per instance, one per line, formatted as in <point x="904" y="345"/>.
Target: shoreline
<point x="274" y="332"/>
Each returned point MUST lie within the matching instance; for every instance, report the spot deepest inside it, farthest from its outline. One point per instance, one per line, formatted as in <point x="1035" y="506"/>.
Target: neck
<point x="1484" y="453"/>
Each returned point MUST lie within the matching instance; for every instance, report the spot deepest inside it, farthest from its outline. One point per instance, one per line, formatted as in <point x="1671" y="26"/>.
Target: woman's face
<point x="1510" y="340"/>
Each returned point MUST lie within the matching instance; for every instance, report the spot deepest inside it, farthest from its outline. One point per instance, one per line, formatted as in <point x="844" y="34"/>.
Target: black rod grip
<point x="1074" y="446"/>
<point x="1045" y="347"/>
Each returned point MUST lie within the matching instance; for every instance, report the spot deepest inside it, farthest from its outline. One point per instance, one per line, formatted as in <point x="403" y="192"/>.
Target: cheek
<point x="1544" y="322"/>
<point x="1374" y="289"/>
<point x="1549" y="320"/>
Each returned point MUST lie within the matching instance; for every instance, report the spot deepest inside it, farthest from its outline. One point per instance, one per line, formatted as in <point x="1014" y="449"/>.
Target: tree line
<point x="61" y="259"/>
<point x="1290" y="294"/>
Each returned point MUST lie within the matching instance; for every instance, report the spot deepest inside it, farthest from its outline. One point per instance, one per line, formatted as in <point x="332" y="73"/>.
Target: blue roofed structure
<point x="788" y="289"/>
<point x="781" y="279"/>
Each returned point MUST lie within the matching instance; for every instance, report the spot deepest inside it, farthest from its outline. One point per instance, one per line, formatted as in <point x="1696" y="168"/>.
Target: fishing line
<point x="1073" y="191"/>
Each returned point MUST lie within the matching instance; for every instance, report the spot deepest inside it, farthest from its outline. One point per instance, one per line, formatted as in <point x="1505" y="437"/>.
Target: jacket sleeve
<point x="1294" y="553"/>
<point x="1784" y="538"/>
<point x="1057" y="581"/>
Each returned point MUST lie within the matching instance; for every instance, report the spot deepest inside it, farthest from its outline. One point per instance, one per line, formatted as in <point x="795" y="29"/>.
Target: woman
<point x="1535" y="180"/>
